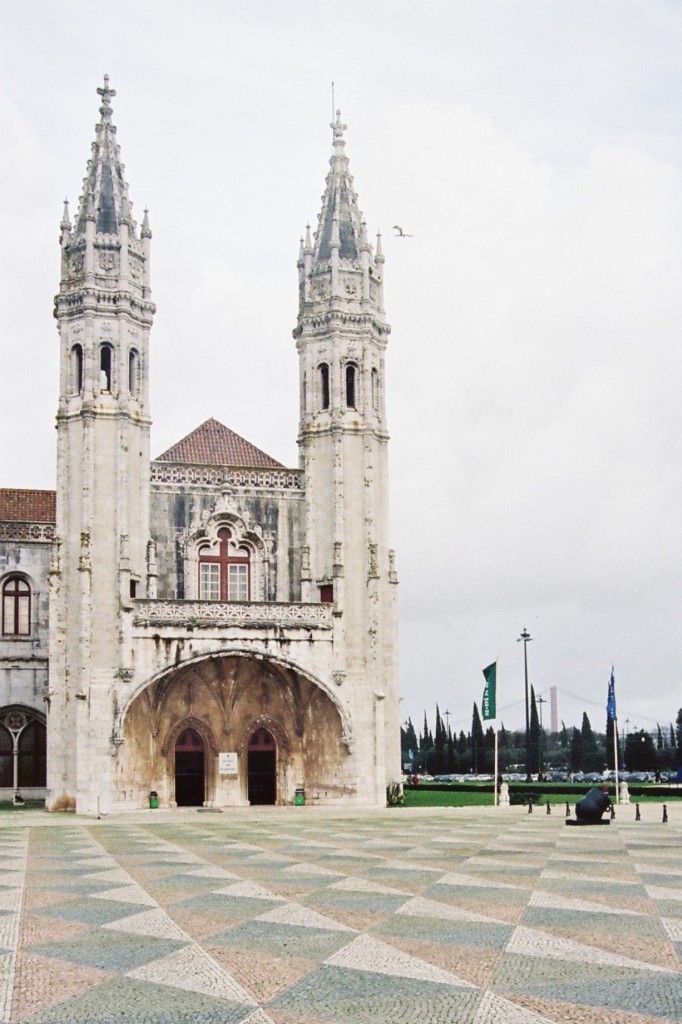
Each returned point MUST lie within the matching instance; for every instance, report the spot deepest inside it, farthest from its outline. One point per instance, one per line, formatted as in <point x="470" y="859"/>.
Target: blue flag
<point x="611" y="701"/>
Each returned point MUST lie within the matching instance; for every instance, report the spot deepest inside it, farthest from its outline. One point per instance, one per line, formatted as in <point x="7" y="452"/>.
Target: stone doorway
<point x="262" y="768"/>
<point x="190" y="781"/>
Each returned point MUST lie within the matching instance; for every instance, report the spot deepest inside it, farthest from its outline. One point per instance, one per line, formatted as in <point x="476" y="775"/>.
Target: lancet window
<point x="106" y="362"/>
<point x="16" y="607"/>
<point x="324" y="385"/>
<point x="76" y="369"/>
<point x="351" y="378"/>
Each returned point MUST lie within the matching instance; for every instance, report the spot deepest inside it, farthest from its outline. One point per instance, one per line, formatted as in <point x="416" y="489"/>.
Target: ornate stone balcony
<point x="192" y="615"/>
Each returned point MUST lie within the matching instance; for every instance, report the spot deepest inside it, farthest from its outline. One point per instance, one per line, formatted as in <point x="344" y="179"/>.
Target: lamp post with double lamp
<point x="525" y="636"/>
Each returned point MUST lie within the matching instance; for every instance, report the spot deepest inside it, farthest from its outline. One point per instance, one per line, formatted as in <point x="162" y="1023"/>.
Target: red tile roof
<point x="213" y="444"/>
<point x="23" y="506"/>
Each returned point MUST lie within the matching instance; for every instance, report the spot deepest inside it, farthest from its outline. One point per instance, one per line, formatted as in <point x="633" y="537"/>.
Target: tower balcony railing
<point x="192" y="615"/>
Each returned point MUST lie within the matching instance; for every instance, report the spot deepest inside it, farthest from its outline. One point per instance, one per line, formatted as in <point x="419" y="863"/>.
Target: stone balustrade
<point x="208" y="614"/>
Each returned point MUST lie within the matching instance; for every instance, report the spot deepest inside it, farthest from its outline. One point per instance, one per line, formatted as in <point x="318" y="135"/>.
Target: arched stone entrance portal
<point x="190" y="779"/>
<point x="262" y="768"/>
<point x="232" y="730"/>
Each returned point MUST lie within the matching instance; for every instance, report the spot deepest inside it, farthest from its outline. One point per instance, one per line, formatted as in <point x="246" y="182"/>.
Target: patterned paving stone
<point x="261" y="974"/>
<point x="314" y="944"/>
<point x="107" y="951"/>
<point x="41" y="982"/>
<point x="127" y="1001"/>
<point x="475" y="917"/>
<point x="336" y="996"/>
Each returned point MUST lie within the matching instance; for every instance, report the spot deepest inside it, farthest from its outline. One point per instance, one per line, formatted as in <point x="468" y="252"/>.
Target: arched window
<point x="106" y="360"/>
<point x="16" y="607"/>
<point x="133" y="371"/>
<point x="351" y="373"/>
<point x="76" y="369"/>
<point x="324" y="385"/>
<point x="6" y="759"/>
<point x="32" y="755"/>
<point x="23" y="750"/>
<point x="224" y="570"/>
<point x="375" y="390"/>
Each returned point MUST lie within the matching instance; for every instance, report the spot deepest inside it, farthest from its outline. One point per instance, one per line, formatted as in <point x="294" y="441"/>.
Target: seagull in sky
<point x="401" y="233"/>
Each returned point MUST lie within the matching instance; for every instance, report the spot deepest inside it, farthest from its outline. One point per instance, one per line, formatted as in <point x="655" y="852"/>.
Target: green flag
<point x="488" y="705"/>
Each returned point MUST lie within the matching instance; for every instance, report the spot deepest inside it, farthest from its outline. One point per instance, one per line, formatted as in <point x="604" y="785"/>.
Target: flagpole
<point x="495" y="775"/>
<point x="612" y="716"/>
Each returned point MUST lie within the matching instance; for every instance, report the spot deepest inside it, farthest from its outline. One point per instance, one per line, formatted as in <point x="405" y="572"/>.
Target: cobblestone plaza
<point x="310" y="916"/>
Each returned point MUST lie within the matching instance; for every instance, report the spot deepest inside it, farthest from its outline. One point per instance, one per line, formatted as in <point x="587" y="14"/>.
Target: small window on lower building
<point x="16" y="607"/>
<point x="327" y="593"/>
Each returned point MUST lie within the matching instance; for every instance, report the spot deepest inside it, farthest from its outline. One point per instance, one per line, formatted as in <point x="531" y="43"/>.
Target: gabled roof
<point x="213" y="444"/>
<point x="24" y="506"/>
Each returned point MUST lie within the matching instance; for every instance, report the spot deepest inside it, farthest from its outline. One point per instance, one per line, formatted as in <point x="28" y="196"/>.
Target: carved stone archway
<point x="225" y="699"/>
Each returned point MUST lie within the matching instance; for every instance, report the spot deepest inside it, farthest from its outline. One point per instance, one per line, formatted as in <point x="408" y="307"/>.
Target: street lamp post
<point x="525" y="636"/>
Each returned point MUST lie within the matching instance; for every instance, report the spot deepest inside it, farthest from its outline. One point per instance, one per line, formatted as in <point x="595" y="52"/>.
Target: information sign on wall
<point x="228" y="763"/>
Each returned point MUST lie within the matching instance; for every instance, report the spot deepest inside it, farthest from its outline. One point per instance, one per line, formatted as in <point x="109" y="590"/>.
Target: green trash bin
<point x="153" y="799"/>
<point x="299" y="797"/>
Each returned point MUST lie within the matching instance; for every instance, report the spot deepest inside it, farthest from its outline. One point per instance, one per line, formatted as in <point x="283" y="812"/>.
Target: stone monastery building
<point x="209" y="626"/>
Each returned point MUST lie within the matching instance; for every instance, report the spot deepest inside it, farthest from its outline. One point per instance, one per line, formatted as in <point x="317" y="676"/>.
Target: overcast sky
<point x="533" y="148"/>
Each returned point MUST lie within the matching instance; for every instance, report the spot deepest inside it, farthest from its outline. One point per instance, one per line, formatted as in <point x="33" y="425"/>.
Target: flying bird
<point x="401" y="233"/>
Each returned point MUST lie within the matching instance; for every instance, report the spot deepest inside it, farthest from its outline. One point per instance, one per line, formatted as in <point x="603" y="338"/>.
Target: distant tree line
<point x="444" y="752"/>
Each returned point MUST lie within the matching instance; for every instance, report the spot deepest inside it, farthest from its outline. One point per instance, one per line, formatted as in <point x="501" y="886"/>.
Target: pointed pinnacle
<point x="146" y="230"/>
<point x="66" y="222"/>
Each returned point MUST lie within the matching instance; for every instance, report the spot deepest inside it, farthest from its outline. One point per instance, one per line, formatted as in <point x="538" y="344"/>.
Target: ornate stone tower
<point x="104" y="314"/>
<point x="341" y="339"/>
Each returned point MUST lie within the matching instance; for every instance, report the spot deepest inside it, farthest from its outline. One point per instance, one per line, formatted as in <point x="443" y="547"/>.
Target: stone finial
<point x="107" y="95"/>
<point x="337" y="127"/>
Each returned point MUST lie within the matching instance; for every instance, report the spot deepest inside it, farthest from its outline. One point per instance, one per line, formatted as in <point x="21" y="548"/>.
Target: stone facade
<point x="222" y="629"/>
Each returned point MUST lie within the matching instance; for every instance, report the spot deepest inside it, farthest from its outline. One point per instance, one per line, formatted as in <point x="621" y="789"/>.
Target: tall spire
<point x="105" y="190"/>
<point x="339" y="204"/>
<point x="337" y="265"/>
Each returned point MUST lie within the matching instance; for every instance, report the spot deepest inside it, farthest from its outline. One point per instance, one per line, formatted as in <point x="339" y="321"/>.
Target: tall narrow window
<point x="76" y="369"/>
<point x="351" y="370"/>
<point x="224" y="570"/>
<point x="6" y="759"/>
<point x="16" y="607"/>
<point x="375" y="390"/>
<point x="32" y="743"/>
<point x="106" y="353"/>
<point x="324" y="385"/>
<point x="133" y="371"/>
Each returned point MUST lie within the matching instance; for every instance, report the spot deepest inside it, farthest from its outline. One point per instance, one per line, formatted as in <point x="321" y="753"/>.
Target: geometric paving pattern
<point x="313" y="916"/>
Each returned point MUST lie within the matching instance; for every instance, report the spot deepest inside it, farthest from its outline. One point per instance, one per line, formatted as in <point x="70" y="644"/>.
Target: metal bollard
<point x="613" y="812"/>
<point x="665" y="814"/>
<point x="638" y="816"/>
<point x="568" y="809"/>
<point x="549" y="809"/>
<point x="530" y="806"/>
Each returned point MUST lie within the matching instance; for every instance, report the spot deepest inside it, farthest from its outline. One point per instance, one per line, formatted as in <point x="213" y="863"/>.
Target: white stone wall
<point x="23" y="660"/>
